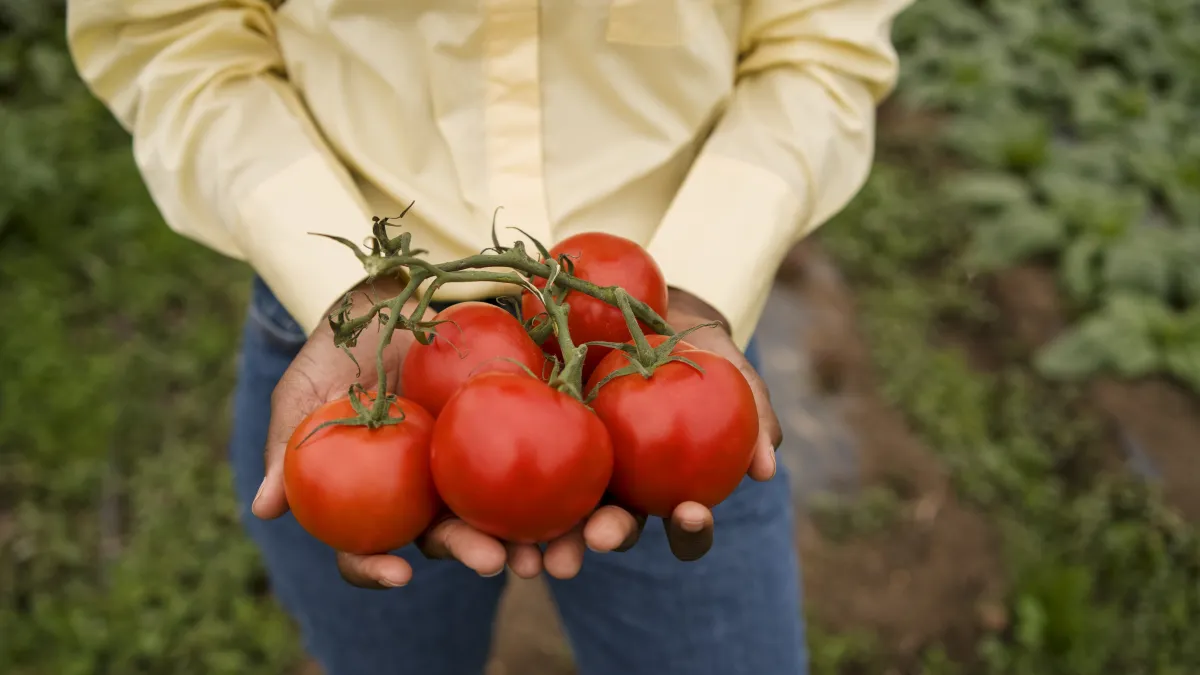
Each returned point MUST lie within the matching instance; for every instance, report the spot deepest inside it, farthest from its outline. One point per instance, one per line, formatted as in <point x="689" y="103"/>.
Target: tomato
<point x="362" y="490"/>
<point x="678" y="435"/>
<point x="477" y="338"/>
<point x="604" y="260"/>
<point x="518" y="459"/>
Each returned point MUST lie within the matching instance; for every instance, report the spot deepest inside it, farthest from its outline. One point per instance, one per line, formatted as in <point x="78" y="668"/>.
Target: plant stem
<point x="570" y="378"/>
<point x="645" y="353"/>
<point x="474" y="269"/>
<point x="394" y="256"/>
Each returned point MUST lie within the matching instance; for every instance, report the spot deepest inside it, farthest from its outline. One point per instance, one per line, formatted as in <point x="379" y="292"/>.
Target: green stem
<point x="645" y="353"/>
<point x="380" y="409"/>
<point x="569" y="378"/>
<point x="394" y="256"/>
<point x="474" y="269"/>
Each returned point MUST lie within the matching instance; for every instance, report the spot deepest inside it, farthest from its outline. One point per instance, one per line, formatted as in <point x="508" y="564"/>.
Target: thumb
<point x="294" y="398"/>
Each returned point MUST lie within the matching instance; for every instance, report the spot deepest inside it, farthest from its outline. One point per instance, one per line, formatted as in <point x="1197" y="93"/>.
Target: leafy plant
<point x="1078" y="120"/>
<point x="1103" y="576"/>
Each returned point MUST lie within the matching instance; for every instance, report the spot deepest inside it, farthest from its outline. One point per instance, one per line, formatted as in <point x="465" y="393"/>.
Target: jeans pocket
<point x="269" y="317"/>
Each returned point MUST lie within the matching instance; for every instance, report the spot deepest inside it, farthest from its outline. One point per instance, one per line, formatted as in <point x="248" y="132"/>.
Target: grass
<point x="120" y="549"/>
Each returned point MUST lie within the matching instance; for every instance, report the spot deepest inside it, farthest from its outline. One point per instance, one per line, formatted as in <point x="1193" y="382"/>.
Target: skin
<point x="321" y="373"/>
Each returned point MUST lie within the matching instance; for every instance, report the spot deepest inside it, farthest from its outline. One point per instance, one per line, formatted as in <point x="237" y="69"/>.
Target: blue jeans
<point x="737" y="611"/>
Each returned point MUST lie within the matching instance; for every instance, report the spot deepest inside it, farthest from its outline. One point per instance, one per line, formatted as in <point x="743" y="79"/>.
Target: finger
<point x="525" y="560"/>
<point x="374" y="571"/>
<point x="763" y="464"/>
<point x="768" y="423"/>
<point x="612" y="528"/>
<point x="564" y="556"/>
<point x="293" y="398"/>
<point x="690" y="531"/>
<point x="452" y="538"/>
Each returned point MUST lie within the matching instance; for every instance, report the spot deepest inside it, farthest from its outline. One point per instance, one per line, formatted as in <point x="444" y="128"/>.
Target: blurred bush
<point x="120" y="550"/>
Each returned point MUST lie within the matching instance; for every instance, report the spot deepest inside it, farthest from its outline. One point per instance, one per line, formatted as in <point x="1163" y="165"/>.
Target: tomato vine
<point x="384" y="255"/>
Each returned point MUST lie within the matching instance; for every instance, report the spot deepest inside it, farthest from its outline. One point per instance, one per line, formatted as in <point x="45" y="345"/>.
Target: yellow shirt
<point x="714" y="132"/>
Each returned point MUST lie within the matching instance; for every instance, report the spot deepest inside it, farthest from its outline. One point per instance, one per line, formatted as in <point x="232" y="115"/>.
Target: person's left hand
<point x="690" y="528"/>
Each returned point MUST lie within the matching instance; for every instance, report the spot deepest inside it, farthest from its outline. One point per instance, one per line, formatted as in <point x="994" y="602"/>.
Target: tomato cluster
<point x="486" y="436"/>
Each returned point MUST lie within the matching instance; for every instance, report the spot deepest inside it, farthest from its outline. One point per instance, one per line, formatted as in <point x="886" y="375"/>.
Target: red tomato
<point x="604" y="260"/>
<point x="519" y="460"/>
<point x="478" y="338"/>
<point x="362" y="490"/>
<point x="679" y="435"/>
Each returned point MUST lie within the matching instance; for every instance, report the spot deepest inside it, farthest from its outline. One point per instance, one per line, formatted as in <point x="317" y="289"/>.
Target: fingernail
<point x="258" y="494"/>
<point x="692" y="526"/>
<point x="774" y="465"/>
<point x="391" y="583"/>
<point x="493" y="574"/>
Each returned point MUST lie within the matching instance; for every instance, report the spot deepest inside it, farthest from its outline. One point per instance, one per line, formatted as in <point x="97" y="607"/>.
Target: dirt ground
<point x="1155" y="422"/>
<point x="934" y="574"/>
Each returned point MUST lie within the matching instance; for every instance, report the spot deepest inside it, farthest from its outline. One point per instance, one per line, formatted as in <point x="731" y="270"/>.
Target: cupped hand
<point x="690" y="528"/>
<point x="320" y="373"/>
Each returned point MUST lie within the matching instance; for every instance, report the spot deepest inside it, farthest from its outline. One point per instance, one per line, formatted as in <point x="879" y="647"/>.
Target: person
<point x="717" y="133"/>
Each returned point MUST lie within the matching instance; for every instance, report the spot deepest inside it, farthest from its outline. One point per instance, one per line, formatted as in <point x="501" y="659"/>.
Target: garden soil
<point x="1155" y="422"/>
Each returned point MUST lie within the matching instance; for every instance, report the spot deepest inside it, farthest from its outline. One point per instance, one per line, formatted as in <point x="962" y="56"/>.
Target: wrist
<point x="371" y="291"/>
<point x="693" y="309"/>
<point x="365" y="295"/>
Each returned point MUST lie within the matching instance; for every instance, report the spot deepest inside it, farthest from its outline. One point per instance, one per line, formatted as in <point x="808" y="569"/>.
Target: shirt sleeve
<point x="795" y="143"/>
<point x="224" y="143"/>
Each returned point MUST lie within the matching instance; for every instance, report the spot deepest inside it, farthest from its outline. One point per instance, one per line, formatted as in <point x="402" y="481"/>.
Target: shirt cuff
<point x="308" y="274"/>
<point x="724" y="236"/>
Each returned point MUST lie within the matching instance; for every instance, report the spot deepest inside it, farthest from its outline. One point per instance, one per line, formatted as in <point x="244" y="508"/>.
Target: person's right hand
<point x="322" y="372"/>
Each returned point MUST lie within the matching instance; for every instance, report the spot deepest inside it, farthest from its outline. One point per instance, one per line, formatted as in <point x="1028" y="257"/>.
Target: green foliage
<point x="1104" y="578"/>
<point x="1131" y="336"/>
<point x="1078" y="120"/>
<point x="846" y="652"/>
<point x="1069" y="131"/>
<point x="120" y="550"/>
<point x="870" y="512"/>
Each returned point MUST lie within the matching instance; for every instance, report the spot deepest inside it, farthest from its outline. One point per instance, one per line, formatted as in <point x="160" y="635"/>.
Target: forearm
<point x="224" y="143"/>
<point x="686" y="307"/>
<point x="795" y="144"/>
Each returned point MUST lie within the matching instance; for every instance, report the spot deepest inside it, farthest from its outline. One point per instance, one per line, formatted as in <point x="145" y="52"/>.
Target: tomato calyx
<point x="644" y="358"/>
<point x="347" y="329"/>
<point x="372" y="417"/>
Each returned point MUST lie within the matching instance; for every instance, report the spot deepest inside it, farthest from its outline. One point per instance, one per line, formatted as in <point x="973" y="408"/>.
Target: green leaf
<point x="1093" y="206"/>
<point x="1184" y="262"/>
<point x="1183" y="362"/>
<point x="1079" y="267"/>
<point x="1117" y="338"/>
<point x="1072" y="355"/>
<point x="1140" y="263"/>
<point x="1016" y="235"/>
<point x="988" y="191"/>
